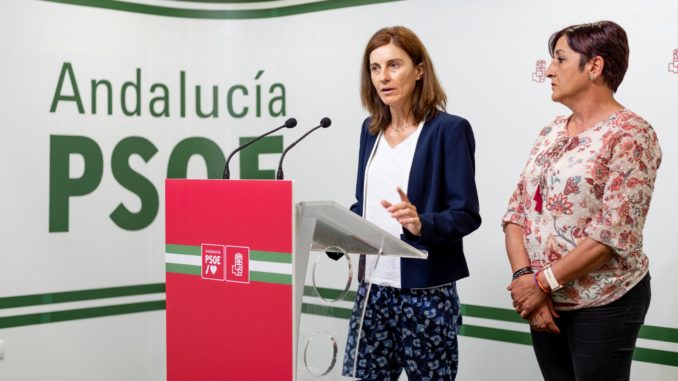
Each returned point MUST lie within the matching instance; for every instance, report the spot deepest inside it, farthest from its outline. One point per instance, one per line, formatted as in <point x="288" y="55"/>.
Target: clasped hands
<point x="533" y="304"/>
<point x="405" y="213"/>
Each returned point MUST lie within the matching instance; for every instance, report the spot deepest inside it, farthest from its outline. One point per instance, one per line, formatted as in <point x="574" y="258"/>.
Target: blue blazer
<point x="442" y="187"/>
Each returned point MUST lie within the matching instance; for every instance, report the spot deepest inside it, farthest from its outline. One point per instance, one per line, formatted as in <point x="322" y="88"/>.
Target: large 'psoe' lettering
<point x="63" y="187"/>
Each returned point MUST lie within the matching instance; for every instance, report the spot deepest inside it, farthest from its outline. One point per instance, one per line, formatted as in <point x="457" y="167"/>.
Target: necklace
<point x="400" y="129"/>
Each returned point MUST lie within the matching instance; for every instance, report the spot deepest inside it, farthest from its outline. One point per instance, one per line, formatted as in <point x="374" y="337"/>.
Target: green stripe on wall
<point x="221" y="14"/>
<point x="267" y="256"/>
<point x="497" y="334"/>
<point x="655" y="356"/>
<point x="256" y="276"/>
<point x="328" y="293"/>
<point x="183" y="249"/>
<point x="493" y="313"/>
<point x="335" y="312"/>
<point x="182" y="269"/>
<point x="648" y="332"/>
<point x="75" y="296"/>
<point x="651" y="332"/>
<point x="83" y="313"/>
<point x="255" y="255"/>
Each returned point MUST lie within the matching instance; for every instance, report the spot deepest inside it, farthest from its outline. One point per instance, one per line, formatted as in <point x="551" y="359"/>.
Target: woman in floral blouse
<point x="574" y="225"/>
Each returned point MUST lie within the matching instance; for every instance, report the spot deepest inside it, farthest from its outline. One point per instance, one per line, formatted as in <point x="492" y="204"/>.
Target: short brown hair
<point x="428" y="95"/>
<point x="603" y="38"/>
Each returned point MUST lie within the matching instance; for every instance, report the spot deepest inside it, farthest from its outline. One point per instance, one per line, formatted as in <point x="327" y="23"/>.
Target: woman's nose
<point x="549" y="71"/>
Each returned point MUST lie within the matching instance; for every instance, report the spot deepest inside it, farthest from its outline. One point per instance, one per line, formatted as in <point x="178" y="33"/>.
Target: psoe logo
<point x="539" y="74"/>
<point x="673" y="65"/>
<point x="213" y="262"/>
<point x="238" y="264"/>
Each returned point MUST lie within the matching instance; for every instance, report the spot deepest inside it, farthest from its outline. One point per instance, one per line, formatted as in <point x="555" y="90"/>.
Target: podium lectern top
<point x="337" y="226"/>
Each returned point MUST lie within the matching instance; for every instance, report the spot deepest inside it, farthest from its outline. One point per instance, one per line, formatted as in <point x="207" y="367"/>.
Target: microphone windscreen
<point x="291" y="122"/>
<point x="325" y="122"/>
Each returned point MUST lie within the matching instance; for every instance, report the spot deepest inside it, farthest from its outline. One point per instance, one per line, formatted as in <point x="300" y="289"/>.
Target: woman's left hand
<point x="526" y="295"/>
<point x="541" y="319"/>
<point x="405" y="213"/>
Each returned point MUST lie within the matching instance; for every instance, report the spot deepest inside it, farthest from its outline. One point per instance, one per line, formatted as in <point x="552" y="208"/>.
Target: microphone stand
<point x="324" y="123"/>
<point x="289" y="123"/>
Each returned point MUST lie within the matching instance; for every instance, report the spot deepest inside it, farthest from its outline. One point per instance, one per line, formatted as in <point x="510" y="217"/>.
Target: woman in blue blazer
<point x="415" y="179"/>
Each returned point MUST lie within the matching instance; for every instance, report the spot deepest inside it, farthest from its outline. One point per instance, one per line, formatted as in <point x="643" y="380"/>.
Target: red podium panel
<point x="229" y="247"/>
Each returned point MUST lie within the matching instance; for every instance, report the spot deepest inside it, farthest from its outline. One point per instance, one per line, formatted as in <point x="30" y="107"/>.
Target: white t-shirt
<point x="387" y="169"/>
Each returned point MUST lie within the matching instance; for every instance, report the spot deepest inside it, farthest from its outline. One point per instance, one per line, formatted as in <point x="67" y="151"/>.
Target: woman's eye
<point x="560" y="59"/>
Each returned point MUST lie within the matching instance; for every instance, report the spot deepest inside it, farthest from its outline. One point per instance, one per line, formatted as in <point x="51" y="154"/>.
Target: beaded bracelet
<point x="521" y="272"/>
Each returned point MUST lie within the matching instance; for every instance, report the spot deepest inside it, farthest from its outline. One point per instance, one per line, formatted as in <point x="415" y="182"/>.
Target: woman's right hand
<point x="526" y="295"/>
<point x="405" y="213"/>
<point x="541" y="319"/>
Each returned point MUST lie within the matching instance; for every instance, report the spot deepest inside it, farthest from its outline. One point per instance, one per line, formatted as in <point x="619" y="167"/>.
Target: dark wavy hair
<point x="603" y="38"/>
<point x="428" y="96"/>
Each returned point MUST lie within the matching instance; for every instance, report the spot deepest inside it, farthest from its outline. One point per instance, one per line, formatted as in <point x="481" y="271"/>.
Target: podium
<point x="237" y="253"/>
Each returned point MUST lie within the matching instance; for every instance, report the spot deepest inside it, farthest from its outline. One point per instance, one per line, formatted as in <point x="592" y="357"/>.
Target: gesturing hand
<point x="405" y="213"/>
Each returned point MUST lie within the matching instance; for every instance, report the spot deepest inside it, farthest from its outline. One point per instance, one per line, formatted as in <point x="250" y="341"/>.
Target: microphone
<point x="289" y="123"/>
<point x="324" y="123"/>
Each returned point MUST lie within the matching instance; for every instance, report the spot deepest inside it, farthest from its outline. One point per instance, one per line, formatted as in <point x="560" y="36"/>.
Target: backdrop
<point x="102" y="100"/>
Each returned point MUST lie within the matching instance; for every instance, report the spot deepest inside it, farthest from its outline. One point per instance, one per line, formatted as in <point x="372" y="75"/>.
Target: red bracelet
<point x="538" y="283"/>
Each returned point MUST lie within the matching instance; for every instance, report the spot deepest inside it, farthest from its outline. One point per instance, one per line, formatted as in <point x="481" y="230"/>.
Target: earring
<point x="592" y="77"/>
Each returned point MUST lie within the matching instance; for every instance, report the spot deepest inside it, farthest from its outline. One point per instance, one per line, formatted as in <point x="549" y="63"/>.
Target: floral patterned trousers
<point x="411" y="329"/>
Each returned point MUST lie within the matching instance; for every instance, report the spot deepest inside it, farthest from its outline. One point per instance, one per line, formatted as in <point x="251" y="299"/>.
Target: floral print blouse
<point x="596" y="184"/>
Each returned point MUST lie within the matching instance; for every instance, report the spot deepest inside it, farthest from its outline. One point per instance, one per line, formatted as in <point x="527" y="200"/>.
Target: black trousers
<point x="594" y="343"/>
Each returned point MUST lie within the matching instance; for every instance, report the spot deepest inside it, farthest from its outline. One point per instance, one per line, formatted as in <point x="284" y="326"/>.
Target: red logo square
<point x="238" y="264"/>
<point x="213" y="262"/>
